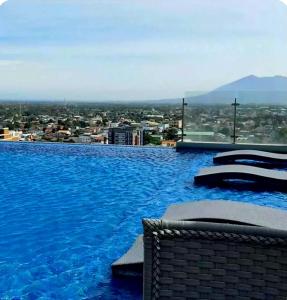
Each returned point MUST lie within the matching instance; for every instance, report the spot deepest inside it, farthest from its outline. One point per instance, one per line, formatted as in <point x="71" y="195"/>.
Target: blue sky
<point x="136" y="49"/>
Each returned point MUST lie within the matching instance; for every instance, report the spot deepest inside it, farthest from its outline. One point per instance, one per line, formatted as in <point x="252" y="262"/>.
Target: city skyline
<point x="129" y="50"/>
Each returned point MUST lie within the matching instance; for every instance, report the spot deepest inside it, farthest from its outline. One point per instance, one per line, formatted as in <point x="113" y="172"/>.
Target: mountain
<point x="250" y="89"/>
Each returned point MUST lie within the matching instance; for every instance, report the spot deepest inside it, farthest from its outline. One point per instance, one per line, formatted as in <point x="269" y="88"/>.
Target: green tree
<point x="171" y="134"/>
<point x="148" y="139"/>
<point x="281" y="136"/>
<point x="225" y="131"/>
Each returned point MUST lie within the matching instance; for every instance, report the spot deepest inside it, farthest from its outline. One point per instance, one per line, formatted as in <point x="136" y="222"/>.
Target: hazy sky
<point x="136" y="49"/>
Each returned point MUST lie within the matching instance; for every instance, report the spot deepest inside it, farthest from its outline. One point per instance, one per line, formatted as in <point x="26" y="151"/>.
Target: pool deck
<point x="213" y="146"/>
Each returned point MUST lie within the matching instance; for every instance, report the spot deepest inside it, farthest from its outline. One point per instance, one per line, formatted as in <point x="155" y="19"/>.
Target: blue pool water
<point x="68" y="211"/>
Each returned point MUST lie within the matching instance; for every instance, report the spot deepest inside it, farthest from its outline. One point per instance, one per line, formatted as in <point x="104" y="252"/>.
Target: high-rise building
<point x="121" y="136"/>
<point x="125" y="136"/>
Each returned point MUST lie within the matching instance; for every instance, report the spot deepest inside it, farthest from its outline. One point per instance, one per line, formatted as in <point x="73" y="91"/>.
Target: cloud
<point x="140" y="49"/>
<point x="2" y="2"/>
<point x="8" y="63"/>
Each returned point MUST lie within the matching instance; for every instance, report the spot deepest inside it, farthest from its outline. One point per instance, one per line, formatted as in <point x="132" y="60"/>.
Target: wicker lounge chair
<point x="221" y="211"/>
<point x="204" y="260"/>
<point x="272" y="179"/>
<point x="254" y="155"/>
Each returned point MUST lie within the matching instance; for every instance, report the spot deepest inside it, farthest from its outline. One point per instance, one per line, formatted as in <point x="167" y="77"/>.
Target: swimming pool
<point x="68" y="211"/>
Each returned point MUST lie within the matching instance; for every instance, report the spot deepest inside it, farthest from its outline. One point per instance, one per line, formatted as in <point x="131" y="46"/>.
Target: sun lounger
<point x="253" y="155"/>
<point x="206" y="260"/>
<point x="264" y="177"/>
<point x="131" y="263"/>
<point x="218" y="211"/>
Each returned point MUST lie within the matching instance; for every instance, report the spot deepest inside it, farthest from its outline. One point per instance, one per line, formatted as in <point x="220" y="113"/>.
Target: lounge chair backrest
<point x="196" y="260"/>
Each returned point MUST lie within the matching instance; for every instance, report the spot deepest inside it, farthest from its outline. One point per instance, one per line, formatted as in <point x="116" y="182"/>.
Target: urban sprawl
<point x="137" y="124"/>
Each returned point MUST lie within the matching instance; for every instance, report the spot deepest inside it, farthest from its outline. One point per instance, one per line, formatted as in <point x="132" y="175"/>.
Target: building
<point x="100" y="138"/>
<point x="138" y="137"/>
<point x="175" y="123"/>
<point x="64" y="133"/>
<point x="162" y="127"/>
<point x="120" y="136"/>
<point x="85" y="138"/>
<point x="4" y="134"/>
<point x="170" y="143"/>
<point x="9" y="135"/>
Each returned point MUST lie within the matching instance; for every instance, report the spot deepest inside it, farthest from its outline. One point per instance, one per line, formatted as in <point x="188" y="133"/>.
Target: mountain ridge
<point x="249" y="89"/>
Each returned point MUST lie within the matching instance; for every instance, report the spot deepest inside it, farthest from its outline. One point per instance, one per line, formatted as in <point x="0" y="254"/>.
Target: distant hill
<point x="250" y="89"/>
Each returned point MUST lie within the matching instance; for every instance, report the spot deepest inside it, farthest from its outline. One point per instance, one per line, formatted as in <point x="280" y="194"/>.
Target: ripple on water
<point x="68" y="211"/>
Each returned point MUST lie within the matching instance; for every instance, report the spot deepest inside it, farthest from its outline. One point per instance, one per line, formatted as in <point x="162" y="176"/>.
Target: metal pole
<point x="234" y="122"/>
<point x="182" y="118"/>
<point x="235" y="104"/>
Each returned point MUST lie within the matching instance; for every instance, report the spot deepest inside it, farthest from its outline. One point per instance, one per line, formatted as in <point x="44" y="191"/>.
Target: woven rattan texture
<point x="191" y="265"/>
